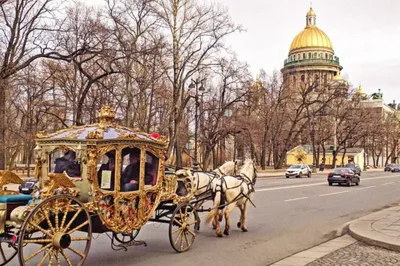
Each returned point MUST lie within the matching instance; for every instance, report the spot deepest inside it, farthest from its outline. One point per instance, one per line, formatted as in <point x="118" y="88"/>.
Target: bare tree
<point x="195" y="34"/>
<point x="29" y="31"/>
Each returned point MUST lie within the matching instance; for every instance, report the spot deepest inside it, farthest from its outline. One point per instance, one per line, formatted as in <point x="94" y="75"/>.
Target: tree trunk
<point x="344" y="154"/>
<point x="178" y="155"/>
<point x="3" y="126"/>
<point x="206" y="158"/>
<point x="264" y="150"/>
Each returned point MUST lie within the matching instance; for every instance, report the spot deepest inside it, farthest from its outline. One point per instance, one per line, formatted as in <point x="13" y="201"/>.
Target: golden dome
<point x="311" y="37"/>
<point x="311" y="12"/>
<point x="360" y="91"/>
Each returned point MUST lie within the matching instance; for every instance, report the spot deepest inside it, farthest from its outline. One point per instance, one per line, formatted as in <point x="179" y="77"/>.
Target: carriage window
<point x="64" y="162"/>
<point x="151" y="169"/>
<point x="130" y="169"/>
<point x="106" y="171"/>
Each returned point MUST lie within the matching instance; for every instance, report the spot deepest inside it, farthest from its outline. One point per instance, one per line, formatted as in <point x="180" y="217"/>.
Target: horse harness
<point x="212" y="176"/>
<point x="244" y="179"/>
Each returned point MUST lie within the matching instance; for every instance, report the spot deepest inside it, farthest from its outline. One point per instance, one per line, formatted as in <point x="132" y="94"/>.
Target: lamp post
<point x="195" y="85"/>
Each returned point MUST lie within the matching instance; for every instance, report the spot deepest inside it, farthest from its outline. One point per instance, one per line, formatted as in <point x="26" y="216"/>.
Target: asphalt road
<point x="290" y="215"/>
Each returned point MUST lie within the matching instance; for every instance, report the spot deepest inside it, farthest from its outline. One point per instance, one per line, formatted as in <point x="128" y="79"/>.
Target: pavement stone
<point x="359" y="254"/>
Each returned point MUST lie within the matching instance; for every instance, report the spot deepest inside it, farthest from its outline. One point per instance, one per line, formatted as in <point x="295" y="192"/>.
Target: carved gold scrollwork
<point x="8" y="177"/>
<point x="95" y="134"/>
<point x="58" y="184"/>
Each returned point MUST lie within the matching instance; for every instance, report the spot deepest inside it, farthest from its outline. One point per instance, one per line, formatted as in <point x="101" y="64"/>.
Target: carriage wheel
<point x="182" y="227"/>
<point x="50" y="234"/>
<point x="7" y="252"/>
<point x="126" y="238"/>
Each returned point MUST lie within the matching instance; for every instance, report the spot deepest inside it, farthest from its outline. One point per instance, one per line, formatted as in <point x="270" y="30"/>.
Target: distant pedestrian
<point x="321" y="167"/>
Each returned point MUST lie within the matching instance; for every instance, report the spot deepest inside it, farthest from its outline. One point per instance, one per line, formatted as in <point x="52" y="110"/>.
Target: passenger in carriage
<point x="109" y="166"/>
<point x="68" y="164"/>
<point x="131" y="174"/>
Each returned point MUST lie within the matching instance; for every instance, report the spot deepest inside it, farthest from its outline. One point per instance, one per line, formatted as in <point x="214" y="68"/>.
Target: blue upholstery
<point x="36" y="201"/>
<point x="15" y="198"/>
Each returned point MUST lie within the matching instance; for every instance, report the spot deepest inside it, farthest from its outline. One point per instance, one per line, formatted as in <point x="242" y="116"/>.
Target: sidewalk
<point x="380" y="229"/>
<point x="372" y="240"/>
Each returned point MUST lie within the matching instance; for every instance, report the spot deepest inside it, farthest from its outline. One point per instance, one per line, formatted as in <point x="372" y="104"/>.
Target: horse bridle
<point x="253" y="179"/>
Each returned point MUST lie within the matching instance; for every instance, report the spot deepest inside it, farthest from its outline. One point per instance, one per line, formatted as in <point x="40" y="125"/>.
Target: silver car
<point x="298" y="170"/>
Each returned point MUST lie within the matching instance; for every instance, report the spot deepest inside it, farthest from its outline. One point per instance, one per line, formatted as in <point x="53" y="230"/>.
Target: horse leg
<point x="243" y="225"/>
<point x="227" y="221"/>
<point x="239" y="224"/>
<point x="220" y="217"/>
<point x="217" y="226"/>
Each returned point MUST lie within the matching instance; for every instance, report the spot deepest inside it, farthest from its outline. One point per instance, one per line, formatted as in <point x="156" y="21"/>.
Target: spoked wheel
<point x="182" y="227"/>
<point x="126" y="238"/>
<point x="51" y="233"/>
<point x="7" y="252"/>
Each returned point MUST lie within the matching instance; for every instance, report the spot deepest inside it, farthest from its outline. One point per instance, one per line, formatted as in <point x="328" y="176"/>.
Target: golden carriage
<point x="83" y="189"/>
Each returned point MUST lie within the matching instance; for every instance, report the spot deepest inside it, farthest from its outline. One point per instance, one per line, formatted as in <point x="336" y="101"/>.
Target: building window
<point x="303" y="78"/>
<point x="315" y="55"/>
<point x="326" y="56"/>
<point x="309" y="55"/>
<point x="304" y="55"/>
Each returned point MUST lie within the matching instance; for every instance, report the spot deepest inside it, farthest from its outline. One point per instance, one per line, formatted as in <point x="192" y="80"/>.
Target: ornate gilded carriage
<point x="94" y="178"/>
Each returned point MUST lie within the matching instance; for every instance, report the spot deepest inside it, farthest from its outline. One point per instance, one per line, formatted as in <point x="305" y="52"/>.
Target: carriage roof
<point x="105" y="131"/>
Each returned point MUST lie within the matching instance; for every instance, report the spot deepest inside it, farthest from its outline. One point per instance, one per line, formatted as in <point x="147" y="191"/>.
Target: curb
<point x="361" y="230"/>
<point x="303" y="258"/>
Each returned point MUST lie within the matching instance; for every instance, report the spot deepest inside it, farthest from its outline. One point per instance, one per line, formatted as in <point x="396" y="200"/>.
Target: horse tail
<point x="217" y="190"/>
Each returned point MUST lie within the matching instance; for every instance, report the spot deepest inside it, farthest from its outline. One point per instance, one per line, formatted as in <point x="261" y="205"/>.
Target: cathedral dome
<point x="311" y="36"/>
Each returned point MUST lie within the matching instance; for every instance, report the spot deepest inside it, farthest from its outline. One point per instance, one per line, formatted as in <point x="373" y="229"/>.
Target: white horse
<point x="237" y="191"/>
<point x="201" y="183"/>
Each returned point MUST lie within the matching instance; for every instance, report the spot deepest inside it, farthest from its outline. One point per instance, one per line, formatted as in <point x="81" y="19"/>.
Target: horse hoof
<point x="245" y="230"/>
<point x="219" y="235"/>
<point x="239" y="224"/>
<point x="226" y="232"/>
<point x="214" y="227"/>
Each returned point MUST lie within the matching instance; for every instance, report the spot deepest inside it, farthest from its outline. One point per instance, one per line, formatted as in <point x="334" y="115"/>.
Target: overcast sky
<point x="365" y="35"/>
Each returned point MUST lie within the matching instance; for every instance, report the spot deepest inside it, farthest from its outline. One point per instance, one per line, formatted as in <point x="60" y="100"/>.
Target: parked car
<point x="27" y="187"/>
<point x="298" y="170"/>
<point x="396" y="168"/>
<point x="343" y="176"/>
<point x="389" y="167"/>
<point x="354" y="167"/>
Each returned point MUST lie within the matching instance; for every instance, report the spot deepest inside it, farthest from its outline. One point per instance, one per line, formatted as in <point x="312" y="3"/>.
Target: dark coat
<point x="132" y="172"/>
<point x="73" y="169"/>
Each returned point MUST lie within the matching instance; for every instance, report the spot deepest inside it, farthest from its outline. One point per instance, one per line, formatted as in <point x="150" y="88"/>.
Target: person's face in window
<point x="111" y="165"/>
<point x="133" y="158"/>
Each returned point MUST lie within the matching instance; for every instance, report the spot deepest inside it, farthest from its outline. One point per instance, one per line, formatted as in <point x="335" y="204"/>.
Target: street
<point x="291" y="215"/>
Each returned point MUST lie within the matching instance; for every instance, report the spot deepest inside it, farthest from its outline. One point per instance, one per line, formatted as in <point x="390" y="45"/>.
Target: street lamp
<point x="195" y="85"/>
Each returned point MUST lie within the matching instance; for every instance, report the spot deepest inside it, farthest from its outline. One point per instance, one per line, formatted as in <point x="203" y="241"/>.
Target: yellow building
<point x="303" y="154"/>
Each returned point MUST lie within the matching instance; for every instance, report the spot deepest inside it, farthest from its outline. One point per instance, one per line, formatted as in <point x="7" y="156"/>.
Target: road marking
<point x="388" y="183"/>
<point x="296" y="199"/>
<point x="320" y="183"/>
<point x="294" y="186"/>
<point x="362" y="188"/>
<point x="334" y="193"/>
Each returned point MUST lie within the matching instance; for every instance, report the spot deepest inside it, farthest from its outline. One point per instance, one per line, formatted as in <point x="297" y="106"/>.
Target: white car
<point x="298" y="170"/>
